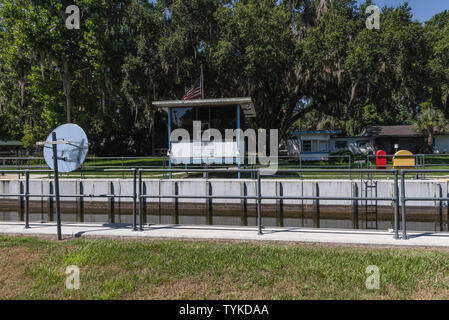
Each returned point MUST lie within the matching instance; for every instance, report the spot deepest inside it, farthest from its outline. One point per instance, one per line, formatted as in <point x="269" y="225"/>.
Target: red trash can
<point x="381" y="160"/>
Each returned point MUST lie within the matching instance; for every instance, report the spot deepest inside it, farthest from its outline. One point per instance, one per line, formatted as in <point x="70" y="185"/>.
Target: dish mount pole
<point x="56" y="177"/>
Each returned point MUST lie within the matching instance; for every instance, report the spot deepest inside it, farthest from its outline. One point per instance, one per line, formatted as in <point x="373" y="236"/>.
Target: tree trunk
<point x="430" y="139"/>
<point x="65" y="77"/>
<point x="22" y="91"/>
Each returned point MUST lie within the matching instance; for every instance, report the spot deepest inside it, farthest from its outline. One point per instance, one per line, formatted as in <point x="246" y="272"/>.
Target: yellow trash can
<point x="404" y="160"/>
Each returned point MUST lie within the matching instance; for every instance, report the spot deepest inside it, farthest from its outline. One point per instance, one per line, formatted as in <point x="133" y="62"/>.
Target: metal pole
<point x="350" y="178"/>
<point x="404" y="223"/>
<point x="134" y="200"/>
<point x="424" y="166"/>
<point x="169" y="143"/>
<point x="140" y="202"/>
<point x="259" y="204"/>
<point x="396" y="206"/>
<point x="56" y="176"/>
<point x="27" y="199"/>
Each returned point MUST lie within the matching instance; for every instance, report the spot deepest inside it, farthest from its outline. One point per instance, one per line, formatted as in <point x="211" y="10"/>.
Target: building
<point x="11" y="148"/>
<point x="356" y="145"/>
<point x="440" y="142"/>
<point x="311" y="145"/>
<point x="214" y="116"/>
<point x="388" y="137"/>
<point x="319" y="144"/>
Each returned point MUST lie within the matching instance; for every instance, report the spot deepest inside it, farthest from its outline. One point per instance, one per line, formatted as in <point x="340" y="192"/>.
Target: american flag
<point x="194" y="92"/>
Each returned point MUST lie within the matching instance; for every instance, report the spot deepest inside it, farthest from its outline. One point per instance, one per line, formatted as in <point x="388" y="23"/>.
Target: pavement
<point x="291" y="235"/>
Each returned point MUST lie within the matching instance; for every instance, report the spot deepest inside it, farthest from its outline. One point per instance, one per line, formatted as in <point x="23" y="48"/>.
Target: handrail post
<point x="350" y="178"/>
<point x="259" y="204"/>
<point x="134" y="199"/>
<point x="396" y="206"/>
<point x="27" y="199"/>
<point x="140" y="202"/>
<point x="403" y="201"/>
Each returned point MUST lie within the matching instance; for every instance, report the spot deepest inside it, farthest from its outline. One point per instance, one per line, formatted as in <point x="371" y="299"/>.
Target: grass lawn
<point x="34" y="268"/>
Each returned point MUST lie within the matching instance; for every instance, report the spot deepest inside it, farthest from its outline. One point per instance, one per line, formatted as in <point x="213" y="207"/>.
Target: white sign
<point x="204" y="152"/>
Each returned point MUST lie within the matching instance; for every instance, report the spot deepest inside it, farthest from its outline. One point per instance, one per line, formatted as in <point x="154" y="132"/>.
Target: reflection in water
<point x="423" y="222"/>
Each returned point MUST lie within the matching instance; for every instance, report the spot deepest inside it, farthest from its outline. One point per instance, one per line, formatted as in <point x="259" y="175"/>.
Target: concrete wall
<point x="227" y="187"/>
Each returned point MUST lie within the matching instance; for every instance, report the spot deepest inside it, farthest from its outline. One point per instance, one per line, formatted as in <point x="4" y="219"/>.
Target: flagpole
<point x="202" y="83"/>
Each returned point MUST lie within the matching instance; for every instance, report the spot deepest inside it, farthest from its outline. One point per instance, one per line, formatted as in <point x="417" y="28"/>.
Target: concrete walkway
<point x="299" y="235"/>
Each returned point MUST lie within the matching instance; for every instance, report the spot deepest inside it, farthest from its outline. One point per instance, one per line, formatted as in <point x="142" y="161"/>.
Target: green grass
<point x="34" y="268"/>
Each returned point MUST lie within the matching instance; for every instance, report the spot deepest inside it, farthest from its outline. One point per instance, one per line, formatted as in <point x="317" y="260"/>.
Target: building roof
<point x="316" y="132"/>
<point x="246" y="104"/>
<point x="391" y="131"/>
<point x="11" y="144"/>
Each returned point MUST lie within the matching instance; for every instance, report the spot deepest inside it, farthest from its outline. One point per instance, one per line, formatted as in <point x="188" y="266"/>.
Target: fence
<point x="125" y="163"/>
<point x="422" y="161"/>
<point x="138" y="197"/>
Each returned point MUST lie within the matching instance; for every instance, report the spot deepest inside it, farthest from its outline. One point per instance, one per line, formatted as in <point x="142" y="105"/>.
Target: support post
<point x="440" y="206"/>
<point x="208" y="192"/>
<point x="20" y="198"/>
<point x="238" y="141"/>
<point x="403" y="203"/>
<point x="140" y="202"/>
<point x="259" y="204"/>
<point x="56" y="176"/>
<point x="134" y="199"/>
<point x="243" y="203"/>
<point x="50" y="199"/>
<point x="81" y="201"/>
<point x="355" y="206"/>
<point x="396" y="206"/>
<point x="279" y="205"/>
<point x="169" y="143"/>
<point x="27" y="199"/>
<point x="316" y="193"/>
<point x="111" y="202"/>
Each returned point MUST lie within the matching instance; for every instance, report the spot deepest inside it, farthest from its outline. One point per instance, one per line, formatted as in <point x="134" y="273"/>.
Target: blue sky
<point x="422" y="10"/>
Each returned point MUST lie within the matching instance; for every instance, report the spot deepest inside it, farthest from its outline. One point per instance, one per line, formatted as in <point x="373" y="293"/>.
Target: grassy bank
<point x="33" y="268"/>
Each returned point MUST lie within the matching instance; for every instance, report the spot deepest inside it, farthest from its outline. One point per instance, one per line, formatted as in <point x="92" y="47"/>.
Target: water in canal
<point x="341" y="220"/>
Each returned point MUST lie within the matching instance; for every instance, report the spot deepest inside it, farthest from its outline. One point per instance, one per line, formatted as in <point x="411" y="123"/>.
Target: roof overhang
<point x="11" y="144"/>
<point x="328" y="132"/>
<point x="246" y="104"/>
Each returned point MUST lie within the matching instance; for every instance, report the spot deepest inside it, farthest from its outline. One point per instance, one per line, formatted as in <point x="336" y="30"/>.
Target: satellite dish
<point x="72" y="146"/>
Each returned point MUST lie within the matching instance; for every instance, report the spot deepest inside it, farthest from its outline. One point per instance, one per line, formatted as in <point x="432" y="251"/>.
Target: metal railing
<point x="422" y="161"/>
<point x="399" y="198"/>
<point x="405" y="199"/>
<point x="138" y="196"/>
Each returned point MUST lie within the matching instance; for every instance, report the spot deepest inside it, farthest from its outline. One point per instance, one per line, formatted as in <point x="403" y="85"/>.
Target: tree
<point x="256" y="55"/>
<point x="141" y="68"/>
<point x="437" y="33"/>
<point x="306" y="63"/>
<point x="429" y="120"/>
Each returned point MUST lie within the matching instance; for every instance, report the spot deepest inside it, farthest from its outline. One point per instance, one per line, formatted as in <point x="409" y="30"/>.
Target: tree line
<point x="307" y="64"/>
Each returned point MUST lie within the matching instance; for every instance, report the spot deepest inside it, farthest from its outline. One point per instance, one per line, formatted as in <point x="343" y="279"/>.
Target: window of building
<point x="315" y="146"/>
<point x="362" y="144"/>
<point x="341" y="144"/>
<point x="322" y="146"/>
<point x="307" y="146"/>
